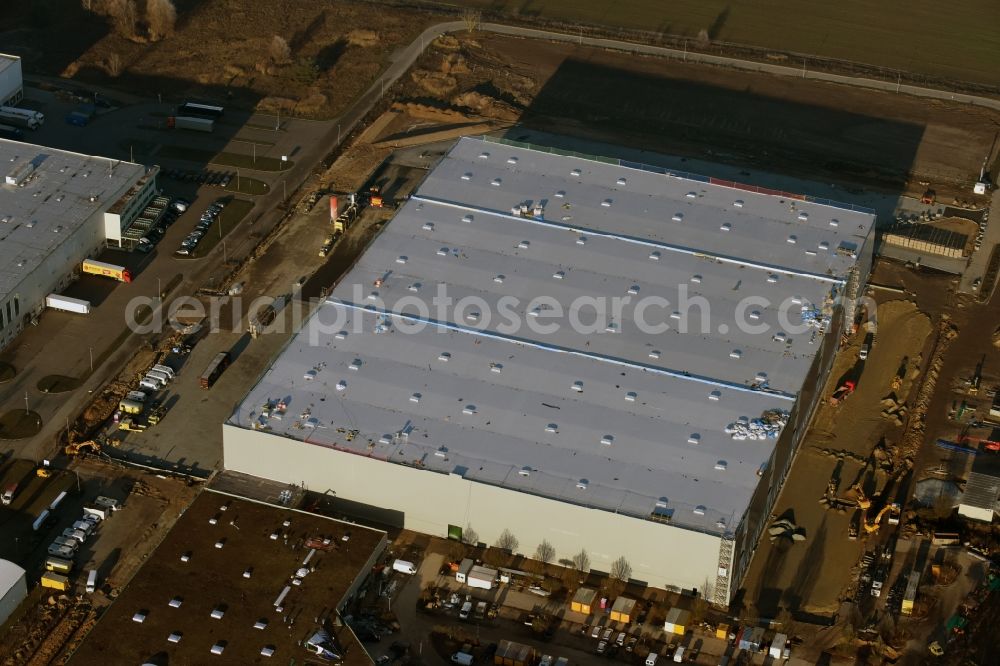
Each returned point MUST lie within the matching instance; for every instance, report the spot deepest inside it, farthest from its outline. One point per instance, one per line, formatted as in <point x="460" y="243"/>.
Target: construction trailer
<point x="483" y="578"/>
<point x="583" y="600"/>
<point x="677" y="621"/>
<point x="623" y="610"/>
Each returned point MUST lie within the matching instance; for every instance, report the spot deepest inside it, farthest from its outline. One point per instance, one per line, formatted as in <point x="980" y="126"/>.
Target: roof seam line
<point x="709" y="381"/>
<point x="629" y="239"/>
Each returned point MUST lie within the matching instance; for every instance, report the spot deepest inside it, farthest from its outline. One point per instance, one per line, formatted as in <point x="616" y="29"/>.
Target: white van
<point x="466" y="610"/>
<point x="651" y="658"/>
<point x="92" y="581"/>
<point x="402" y="566"/>
<point x="159" y="382"/>
<point x="679" y="654"/>
<point x="168" y="371"/>
<point x="462" y="658"/>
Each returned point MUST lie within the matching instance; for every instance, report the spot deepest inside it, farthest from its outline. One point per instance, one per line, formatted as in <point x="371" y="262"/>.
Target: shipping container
<point x="55" y="581"/>
<point x="214" y="369"/>
<point x="199" y="110"/>
<point x="191" y="123"/>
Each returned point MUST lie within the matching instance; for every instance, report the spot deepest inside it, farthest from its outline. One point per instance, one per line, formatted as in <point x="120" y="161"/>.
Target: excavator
<point x="844" y="390"/>
<point x="79" y="448"/>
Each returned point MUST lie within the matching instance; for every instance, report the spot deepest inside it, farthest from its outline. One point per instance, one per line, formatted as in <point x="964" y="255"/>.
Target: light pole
<point x="225" y="258"/>
<point x="91" y="358"/>
<point x="26" y="410"/>
<point x="159" y="290"/>
<point x="338" y="133"/>
<point x="284" y="190"/>
<point x="254" y="153"/>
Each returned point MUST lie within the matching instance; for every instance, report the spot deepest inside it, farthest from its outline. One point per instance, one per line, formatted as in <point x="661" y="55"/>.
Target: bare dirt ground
<point x="53" y="622"/>
<point x="785" y="125"/>
<point x="222" y="50"/>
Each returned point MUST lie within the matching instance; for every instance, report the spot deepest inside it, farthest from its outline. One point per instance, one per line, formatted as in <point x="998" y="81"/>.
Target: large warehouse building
<point x="622" y="349"/>
<point x="11" y="80"/>
<point x="56" y="209"/>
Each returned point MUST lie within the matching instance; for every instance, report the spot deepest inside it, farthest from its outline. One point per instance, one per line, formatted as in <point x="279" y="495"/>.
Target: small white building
<point x="11" y="80"/>
<point x="982" y="489"/>
<point x="13" y="588"/>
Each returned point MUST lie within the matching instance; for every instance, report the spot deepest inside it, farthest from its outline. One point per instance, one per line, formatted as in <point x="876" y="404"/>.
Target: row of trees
<point x="135" y="19"/>
<point x="621" y="569"/>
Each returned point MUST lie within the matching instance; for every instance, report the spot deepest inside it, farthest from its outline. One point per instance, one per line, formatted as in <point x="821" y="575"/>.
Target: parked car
<point x="596" y="631"/>
<point x="180" y="205"/>
<point x="184" y="252"/>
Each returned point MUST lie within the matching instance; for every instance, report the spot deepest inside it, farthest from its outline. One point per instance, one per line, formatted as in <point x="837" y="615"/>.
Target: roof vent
<point x="355" y="364"/>
<point x="511" y="160"/>
<point x="577" y="386"/>
<point x="661" y="503"/>
<point x="621" y="181"/>
<point x="466" y="176"/>
<point x="415" y="287"/>
<point x="415" y="397"/>
<point x="582" y="484"/>
<point x="760" y="377"/>
<point x="780" y="336"/>
<point x="402" y="259"/>
<point x="560" y="194"/>
<point x="834" y="223"/>
<point x="220" y="543"/>
<point x="213" y="520"/>
<point x="442" y="452"/>
<point x="267" y="651"/>
<point x="715" y="395"/>
<point x="581" y="240"/>
<point x="691" y="195"/>
<point x="803" y="216"/>
<point x="385" y="439"/>
<point x="575" y="172"/>
<point x="469" y="409"/>
<point x="552" y="427"/>
<point x="696" y="279"/>
<point x="174" y="637"/>
<point x="484" y="156"/>
<point x="726" y="227"/>
<point x="373" y="296"/>
<point x="792" y="239"/>
<point x="444" y="357"/>
<point x="700" y="510"/>
<point x="467" y="219"/>
<point x="694" y="438"/>
<point x="559" y="275"/>
<point x="341" y="385"/>
<point x="139" y="617"/>
<point x="186" y="557"/>
<point x="428" y="226"/>
<point x="678" y="217"/>
<point x="607" y="440"/>
<point x="606" y="203"/>
<point x="524" y="471"/>
<point x="721" y="465"/>
<point x="655" y="255"/>
<point x="736" y="353"/>
<point x="754" y="314"/>
<point x="634" y="289"/>
<point x="496" y="182"/>
<point x="631" y="396"/>
<point x="655" y="353"/>
<point x="443" y="252"/>
<point x="823" y="245"/>
<point x="340" y="335"/>
<point x="248" y="572"/>
<point x="219" y="647"/>
<point x="612" y="327"/>
<point x="175" y="602"/>
<point x="523" y="245"/>
<point x="260" y="624"/>
<point x="472" y="316"/>
<point x="499" y="279"/>
<point x="772" y="278"/>
<point x="218" y="612"/>
<point x="738" y="203"/>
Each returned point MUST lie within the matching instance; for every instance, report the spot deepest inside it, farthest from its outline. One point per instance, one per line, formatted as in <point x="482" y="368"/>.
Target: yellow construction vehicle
<point x="43" y="472"/>
<point x="129" y="424"/>
<point x="893" y="510"/>
<point x="79" y="448"/>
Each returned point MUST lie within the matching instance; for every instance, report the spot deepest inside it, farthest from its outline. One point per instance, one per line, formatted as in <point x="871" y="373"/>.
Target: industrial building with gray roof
<point x="56" y="209"/>
<point x="621" y="348"/>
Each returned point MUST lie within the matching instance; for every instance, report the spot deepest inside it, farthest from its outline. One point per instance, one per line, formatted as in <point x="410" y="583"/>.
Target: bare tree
<point x="470" y="536"/>
<point x="125" y="15"/>
<point x="471" y="19"/>
<point x="114" y="65"/>
<point x="621" y="569"/>
<point x="545" y="552"/>
<point x="506" y="541"/>
<point x="582" y="561"/>
<point x="161" y="15"/>
<point x="280" y="52"/>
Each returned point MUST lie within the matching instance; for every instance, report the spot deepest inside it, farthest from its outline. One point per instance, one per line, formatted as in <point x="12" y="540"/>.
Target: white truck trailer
<point x="67" y="303"/>
<point x="481" y="577"/>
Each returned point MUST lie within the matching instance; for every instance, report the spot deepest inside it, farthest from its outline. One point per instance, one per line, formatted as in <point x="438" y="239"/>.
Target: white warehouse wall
<point x="11" y="83"/>
<point x="14" y="595"/>
<point x="661" y="555"/>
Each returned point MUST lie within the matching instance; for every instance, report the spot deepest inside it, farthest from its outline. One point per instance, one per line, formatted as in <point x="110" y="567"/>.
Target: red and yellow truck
<point x="107" y="270"/>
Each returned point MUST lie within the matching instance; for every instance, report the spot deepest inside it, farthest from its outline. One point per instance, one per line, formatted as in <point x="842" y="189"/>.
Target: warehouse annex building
<point x="659" y="446"/>
<point x="56" y="209"/>
<point x="13" y="588"/>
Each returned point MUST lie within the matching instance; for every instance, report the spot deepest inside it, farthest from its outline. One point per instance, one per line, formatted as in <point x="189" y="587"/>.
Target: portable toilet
<point x="622" y="610"/>
<point x="583" y="600"/>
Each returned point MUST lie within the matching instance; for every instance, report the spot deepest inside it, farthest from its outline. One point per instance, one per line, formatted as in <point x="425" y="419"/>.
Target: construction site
<point x="876" y="485"/>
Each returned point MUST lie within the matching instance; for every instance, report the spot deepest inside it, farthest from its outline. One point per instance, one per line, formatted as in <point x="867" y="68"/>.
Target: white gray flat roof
<point x="617" y="418"/>
<point x="8" y="61"/>
<point x="52" y="202"/>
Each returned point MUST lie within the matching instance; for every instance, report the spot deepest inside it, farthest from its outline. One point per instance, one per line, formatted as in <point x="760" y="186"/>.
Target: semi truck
<point x="16" y="120"/>
<point x="192" y="123"/>
<point x="94" y="267"/>
<point x="67" y="303"/>
<point x="9" y="132"/>
<point x="37" y="116"/>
